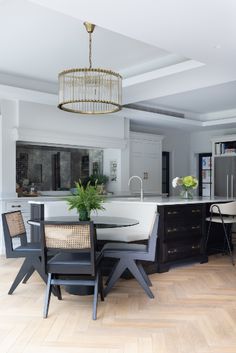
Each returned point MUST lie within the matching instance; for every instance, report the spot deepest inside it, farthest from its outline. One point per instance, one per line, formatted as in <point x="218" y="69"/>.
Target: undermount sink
<point x="132" y="198"/>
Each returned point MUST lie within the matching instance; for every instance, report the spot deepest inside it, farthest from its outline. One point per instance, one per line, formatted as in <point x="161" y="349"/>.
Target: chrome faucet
<point x="141" y="185"/>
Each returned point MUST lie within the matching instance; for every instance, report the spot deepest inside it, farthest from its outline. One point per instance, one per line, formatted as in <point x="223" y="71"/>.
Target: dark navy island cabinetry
<point x="181" y="234"/>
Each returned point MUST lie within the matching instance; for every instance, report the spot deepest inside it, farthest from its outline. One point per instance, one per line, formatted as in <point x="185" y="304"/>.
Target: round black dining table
<point x="101" y="222"/>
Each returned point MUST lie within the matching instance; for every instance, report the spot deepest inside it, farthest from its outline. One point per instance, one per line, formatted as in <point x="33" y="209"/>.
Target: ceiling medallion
<point x="90" y="90"/>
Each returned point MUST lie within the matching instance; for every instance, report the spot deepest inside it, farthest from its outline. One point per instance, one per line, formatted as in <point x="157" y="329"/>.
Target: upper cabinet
<point x="146" y="161"/>
<point x="225" y="147"/>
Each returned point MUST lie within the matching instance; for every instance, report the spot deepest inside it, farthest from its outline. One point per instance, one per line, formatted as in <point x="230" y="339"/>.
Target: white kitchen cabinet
<point x="146" y="161"/>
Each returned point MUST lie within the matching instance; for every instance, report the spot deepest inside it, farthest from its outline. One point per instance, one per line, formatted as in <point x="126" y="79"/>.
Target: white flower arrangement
<point x="186" y="183"/>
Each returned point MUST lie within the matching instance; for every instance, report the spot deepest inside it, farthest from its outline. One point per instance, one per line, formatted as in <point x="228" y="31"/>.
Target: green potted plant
<point x="85" y="199"/>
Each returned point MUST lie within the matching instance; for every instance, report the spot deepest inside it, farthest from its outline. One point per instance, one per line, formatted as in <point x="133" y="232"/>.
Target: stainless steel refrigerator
<point x="225" y="176"/>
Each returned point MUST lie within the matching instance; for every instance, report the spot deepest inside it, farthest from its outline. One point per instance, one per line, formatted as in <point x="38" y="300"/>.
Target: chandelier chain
<point x="90" y="50"/>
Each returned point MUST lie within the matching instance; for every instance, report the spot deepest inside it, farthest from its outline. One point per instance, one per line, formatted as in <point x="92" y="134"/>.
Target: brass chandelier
<point x="90" y="90"/>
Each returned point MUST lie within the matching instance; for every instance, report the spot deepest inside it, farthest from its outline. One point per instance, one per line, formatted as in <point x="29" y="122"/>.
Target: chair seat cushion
<point x="124" y="247"/>
<point x="29" y="248"/>
<point x="71" y="263"/>
<point x="71" y="258"/>
<point x="217" y="219"/>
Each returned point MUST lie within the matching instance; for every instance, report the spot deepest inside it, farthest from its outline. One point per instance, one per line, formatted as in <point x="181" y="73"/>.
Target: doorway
<point x="165" y="172"/>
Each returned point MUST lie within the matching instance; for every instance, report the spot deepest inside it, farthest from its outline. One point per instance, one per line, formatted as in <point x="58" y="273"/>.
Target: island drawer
<point x="182" y="214"/>
<point x="174" y="232"/>
<point x="181" y="250"/>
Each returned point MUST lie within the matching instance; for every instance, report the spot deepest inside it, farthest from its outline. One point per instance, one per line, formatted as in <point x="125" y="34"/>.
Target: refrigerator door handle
<point x="232" y="185"/>
<point x="227" y="185"/>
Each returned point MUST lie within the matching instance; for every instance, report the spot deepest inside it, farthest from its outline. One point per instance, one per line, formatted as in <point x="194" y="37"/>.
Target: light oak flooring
<point x="194" y="311"/>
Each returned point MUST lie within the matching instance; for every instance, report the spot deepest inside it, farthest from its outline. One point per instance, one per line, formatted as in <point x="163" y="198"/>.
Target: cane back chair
<point x="75" y="261"/>
<point x="13" y="227"/>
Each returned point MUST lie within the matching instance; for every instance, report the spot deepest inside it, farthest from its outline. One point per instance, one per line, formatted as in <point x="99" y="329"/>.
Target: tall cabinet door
<point x="223" y="169"/>
<point x="146" y="162"/>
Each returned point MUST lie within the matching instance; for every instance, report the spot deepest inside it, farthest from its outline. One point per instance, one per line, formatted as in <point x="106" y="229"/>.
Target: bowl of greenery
<point x="86" y="198"/>
<point x="100" y="180"/>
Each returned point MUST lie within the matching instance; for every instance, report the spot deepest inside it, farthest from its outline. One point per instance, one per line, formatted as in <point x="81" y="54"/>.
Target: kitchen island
<point x="182" y="230"/>
<point x="182" y="226"/>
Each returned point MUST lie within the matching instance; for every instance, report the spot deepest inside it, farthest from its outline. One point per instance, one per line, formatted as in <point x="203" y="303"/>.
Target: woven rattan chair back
<point x="13" y="226"/>
<point x="72" y="236"/>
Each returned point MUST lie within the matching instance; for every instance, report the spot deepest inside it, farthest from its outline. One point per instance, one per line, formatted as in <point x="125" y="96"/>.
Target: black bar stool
<point x="224" y="213"/>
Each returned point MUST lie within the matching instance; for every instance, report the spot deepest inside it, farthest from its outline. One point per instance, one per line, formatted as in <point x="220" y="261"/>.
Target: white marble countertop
<point x="175" y="200"/>
<point x="172" y="200"/>
<point x="37" y="198"/>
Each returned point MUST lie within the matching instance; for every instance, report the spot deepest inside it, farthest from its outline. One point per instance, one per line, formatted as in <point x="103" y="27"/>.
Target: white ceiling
<point x="199" y="101"/>
<point x="38" y="43"/>
<point x="179" y="55"/>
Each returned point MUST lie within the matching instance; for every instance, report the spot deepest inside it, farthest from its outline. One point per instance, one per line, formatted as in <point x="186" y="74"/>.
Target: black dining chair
<point x="129" y="256"/>
<point x="75" y="261"/>
<point x="13" y="227"/>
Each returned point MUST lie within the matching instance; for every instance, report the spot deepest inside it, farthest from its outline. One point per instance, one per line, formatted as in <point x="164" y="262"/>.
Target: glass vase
<point x="186" y="194"/>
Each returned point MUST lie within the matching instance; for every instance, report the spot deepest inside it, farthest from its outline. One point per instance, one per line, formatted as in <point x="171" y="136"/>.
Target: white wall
<point x="177" y="143"/>
<point x="45" y="123"/>
<point x="9" y="121"/>
<point x="50" y="118"/>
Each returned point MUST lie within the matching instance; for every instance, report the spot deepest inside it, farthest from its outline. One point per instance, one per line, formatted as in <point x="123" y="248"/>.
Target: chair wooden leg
<point x="116" y="275"/>
<point x="29" y="274"/>
<point x="95" y="297"/>
<point x="39" y="268"/>
<point x="101" y="289"/>
<point x="58" y="290"/>
<point x="111" y="272"/>
<point x="47" y="296"/>
<point x="135" y="272"/>
<point x="143" y="273"/>
<point x="25" y="268"/>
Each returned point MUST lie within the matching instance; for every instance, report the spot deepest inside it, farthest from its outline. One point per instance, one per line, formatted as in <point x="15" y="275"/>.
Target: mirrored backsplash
<point x="54" y="167"/>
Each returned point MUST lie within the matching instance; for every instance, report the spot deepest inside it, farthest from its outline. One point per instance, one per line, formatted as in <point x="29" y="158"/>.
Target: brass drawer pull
<point x="195" y="227"/>
<point x="196" y="211"/>
<point x="172" y="212"/>
<point x="172" y="251"/>
<point x="195" y="246"/>
<point x="171" y="230"/>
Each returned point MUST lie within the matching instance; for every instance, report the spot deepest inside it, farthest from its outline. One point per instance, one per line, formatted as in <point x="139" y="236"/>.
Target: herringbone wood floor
<point x="194" y="311"/>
